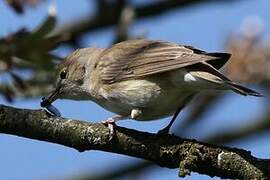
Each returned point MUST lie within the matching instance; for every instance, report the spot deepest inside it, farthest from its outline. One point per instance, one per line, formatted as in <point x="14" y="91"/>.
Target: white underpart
<point x="189" y="78"/>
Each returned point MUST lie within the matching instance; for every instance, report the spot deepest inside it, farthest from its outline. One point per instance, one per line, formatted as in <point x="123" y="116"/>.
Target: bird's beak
<point x="52" y="96"/>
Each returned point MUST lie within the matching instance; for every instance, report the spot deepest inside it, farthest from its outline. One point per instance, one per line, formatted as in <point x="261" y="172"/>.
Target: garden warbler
<point x="141" y="79"/>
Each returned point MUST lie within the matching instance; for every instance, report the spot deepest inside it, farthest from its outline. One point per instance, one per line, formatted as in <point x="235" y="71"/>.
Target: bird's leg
<point x="167" y="128"/>
<point x="110" y="122"/>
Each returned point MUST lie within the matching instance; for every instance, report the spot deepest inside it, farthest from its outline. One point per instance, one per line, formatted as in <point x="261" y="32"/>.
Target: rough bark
<point x="165" y="150"/>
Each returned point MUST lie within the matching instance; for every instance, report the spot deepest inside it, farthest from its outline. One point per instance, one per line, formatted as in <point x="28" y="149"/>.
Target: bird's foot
<point x="110" y="122"/>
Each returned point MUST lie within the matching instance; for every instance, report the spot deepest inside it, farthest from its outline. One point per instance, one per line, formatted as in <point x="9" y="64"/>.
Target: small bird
<point x="141" y="79"/>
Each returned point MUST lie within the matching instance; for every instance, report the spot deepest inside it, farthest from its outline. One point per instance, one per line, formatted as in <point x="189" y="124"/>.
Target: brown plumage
<point x="142" y="79"/>
<point x="138" y="58"/>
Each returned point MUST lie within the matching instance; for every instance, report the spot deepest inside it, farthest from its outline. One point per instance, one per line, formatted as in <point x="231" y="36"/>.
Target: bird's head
<point x="72" y="76"/>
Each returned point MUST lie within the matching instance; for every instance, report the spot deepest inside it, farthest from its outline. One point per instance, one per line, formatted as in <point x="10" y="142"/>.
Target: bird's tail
<point x="208" y="73"/>
<point x="243" y="90"/>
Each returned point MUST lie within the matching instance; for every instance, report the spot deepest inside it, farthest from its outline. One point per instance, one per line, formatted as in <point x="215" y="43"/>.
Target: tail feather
<point x="243" y="90"/>
<point x="207" y="72"/>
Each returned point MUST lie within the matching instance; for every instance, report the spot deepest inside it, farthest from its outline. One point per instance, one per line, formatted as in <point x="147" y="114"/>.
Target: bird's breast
<point x="156" y="99"/>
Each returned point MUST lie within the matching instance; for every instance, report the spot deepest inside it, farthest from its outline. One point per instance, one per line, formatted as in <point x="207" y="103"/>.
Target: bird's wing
<point x="138" y="58"/>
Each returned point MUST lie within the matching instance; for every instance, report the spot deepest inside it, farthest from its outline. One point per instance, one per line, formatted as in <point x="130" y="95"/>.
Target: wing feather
<point x="138" y="58"/>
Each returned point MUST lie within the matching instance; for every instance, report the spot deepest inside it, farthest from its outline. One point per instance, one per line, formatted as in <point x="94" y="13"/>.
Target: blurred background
<point x="36" y="34"/>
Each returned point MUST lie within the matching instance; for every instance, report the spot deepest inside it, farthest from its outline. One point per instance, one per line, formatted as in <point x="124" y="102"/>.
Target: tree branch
<point x="165" y="150"/>
<point x="102" y="20"/>
<point x="259" y="126"/>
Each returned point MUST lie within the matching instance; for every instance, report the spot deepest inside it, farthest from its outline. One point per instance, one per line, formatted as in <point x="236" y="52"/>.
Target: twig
<point x="102" y="20"/>
<point x="259" y="126"/>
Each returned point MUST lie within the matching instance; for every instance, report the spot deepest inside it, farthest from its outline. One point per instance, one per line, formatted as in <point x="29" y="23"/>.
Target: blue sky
<point x="205" y="26"/>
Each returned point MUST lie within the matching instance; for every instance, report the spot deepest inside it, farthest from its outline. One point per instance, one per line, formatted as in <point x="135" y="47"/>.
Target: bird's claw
<point x="110" y="123"/>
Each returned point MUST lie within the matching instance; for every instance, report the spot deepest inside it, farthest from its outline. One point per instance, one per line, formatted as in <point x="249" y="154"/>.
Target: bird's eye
<point x="63" y="74"/>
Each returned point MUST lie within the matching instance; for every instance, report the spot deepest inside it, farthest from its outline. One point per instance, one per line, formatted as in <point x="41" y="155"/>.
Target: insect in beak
<point x="46" y="102"/>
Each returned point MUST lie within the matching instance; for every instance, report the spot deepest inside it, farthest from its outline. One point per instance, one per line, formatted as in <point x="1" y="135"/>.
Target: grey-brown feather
<point x="208" y="73"/>
<point x="138" y="58"/>
<point x="154" y="77"/>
